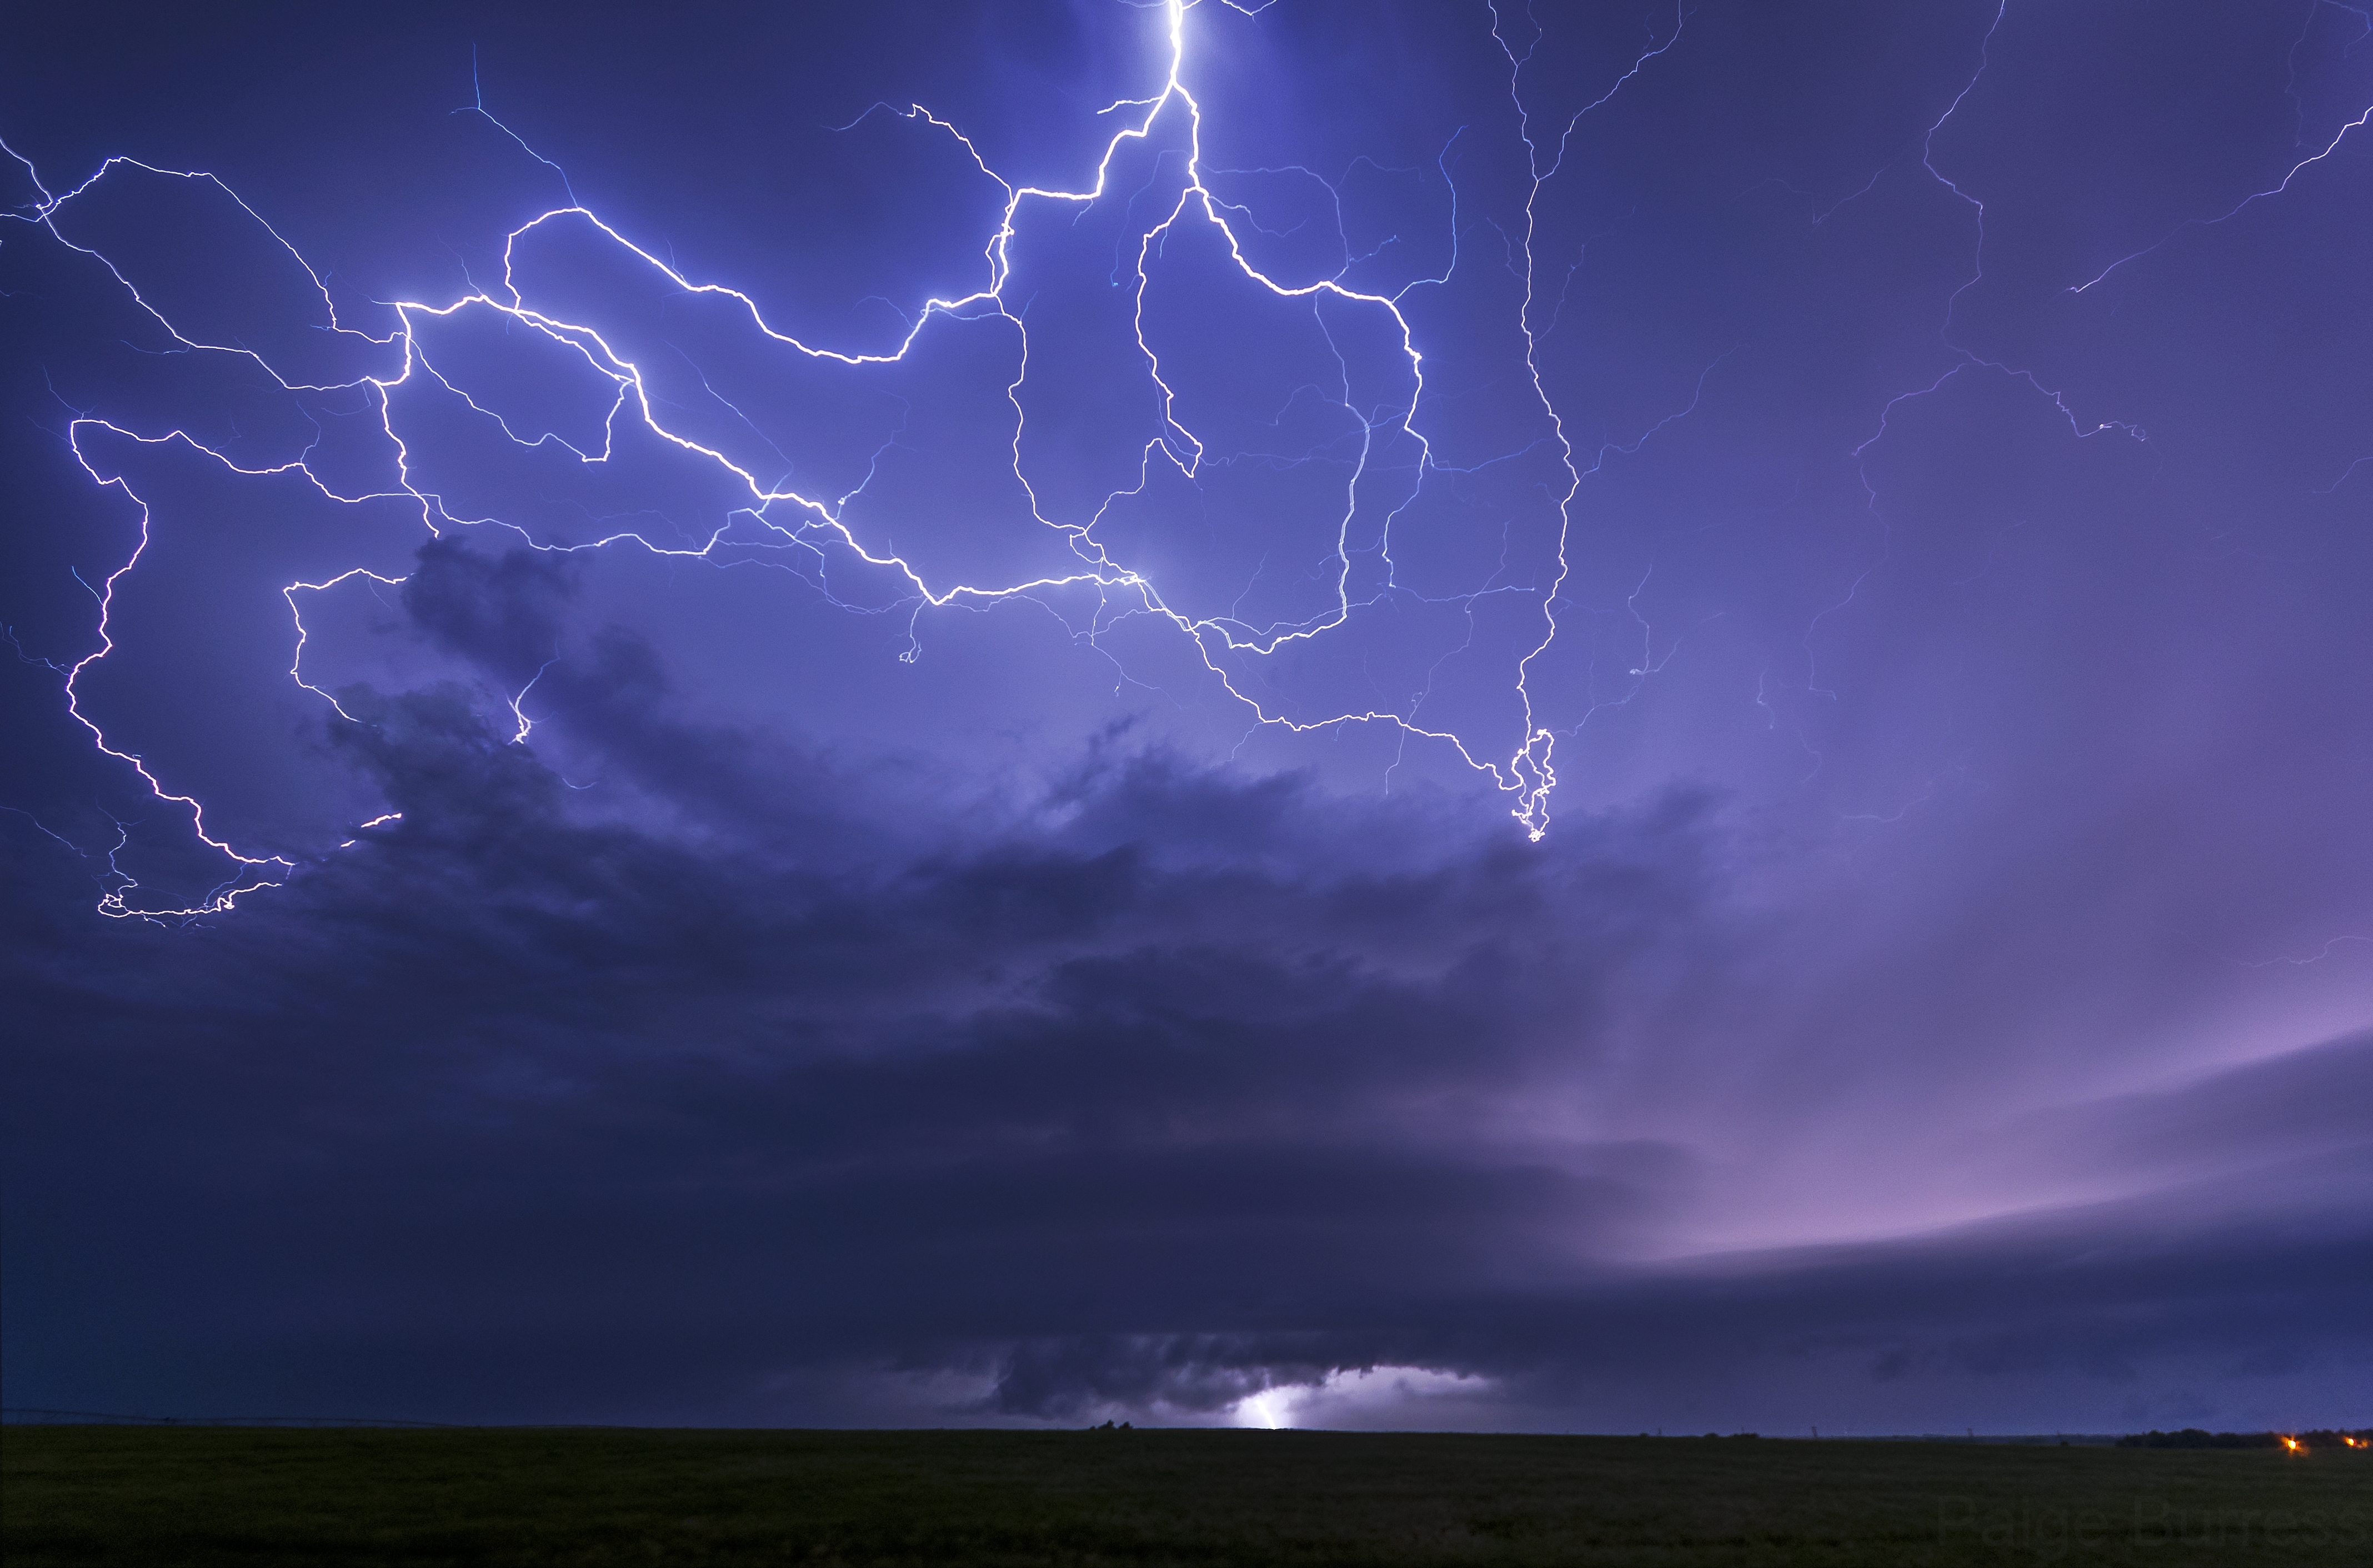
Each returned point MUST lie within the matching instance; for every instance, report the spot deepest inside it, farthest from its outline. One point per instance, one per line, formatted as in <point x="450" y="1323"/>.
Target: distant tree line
<point x="2193" y="1437"/>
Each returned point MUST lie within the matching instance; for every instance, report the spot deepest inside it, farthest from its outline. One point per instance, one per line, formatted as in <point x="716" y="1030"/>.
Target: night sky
<point x="1598" y="720"/>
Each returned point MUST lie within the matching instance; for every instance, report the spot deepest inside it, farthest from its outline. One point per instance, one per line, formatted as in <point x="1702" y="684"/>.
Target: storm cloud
<point x="708" y="976"/>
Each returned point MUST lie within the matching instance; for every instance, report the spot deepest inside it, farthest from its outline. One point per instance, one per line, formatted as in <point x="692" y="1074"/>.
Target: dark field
<point x="84" y="1495"/>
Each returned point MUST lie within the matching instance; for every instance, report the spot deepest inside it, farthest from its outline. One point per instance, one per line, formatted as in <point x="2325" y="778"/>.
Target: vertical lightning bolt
<point x="1531" y="773"/>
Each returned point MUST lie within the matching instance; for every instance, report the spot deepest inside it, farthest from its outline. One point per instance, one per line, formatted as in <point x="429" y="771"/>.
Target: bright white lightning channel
<point x="1526" y="774"/>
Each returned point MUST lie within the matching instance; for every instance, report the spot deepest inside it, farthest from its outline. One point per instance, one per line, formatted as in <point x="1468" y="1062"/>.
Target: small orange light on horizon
<point x="2293" y="1445"/>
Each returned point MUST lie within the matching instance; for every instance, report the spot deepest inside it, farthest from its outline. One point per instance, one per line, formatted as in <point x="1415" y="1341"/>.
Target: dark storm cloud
<point x="505" y="1108"/>
<point x="2108" y="1296"/>
<point x="2295" y="1110"/>
<point x="1110" y="1083"/>
<point x="502" y="613"/>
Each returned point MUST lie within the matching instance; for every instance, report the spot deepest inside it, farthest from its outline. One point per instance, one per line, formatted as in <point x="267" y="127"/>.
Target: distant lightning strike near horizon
<point x="806" y="519"/>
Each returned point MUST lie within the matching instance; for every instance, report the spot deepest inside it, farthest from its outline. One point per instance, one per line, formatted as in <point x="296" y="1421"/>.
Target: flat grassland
<point x="197" y="1495"/>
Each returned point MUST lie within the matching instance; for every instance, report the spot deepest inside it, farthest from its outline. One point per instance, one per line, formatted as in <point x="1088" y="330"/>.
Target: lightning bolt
<point x="813" y="522"/>
<point x="802" y="523"/>
<point x="1964" y="359"/>
<point x="1531" y="773"/>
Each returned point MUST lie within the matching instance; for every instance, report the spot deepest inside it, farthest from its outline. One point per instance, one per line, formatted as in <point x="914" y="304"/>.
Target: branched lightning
<point x="1967" y="359"/>
<point x="811" y="521"/>
<point x="808" y="524"/>
<point x="1964" y="359"/>
<point x="1531" y="771"/>
<point x="253" y="871"/>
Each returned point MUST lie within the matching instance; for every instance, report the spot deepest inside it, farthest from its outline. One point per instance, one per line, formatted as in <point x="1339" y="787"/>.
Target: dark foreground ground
<point x="82" y="1494"/>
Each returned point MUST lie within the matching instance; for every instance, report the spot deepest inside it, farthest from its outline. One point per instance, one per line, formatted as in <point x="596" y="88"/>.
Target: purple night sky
<point x="1335" y="713"/>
